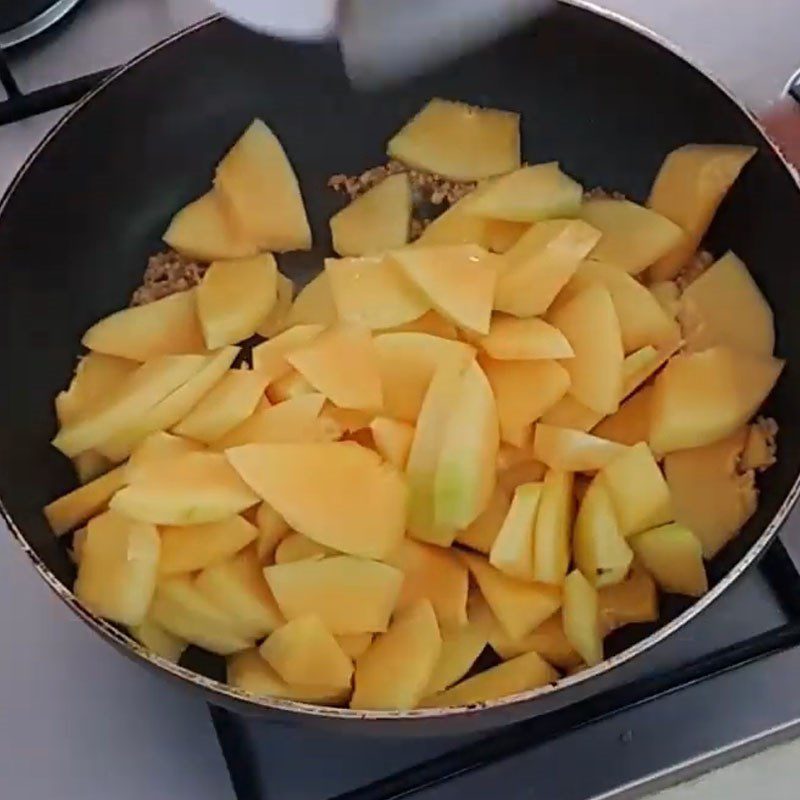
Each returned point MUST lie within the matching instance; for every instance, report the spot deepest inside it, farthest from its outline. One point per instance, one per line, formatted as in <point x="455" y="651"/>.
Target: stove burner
<point x="21" y="20"/>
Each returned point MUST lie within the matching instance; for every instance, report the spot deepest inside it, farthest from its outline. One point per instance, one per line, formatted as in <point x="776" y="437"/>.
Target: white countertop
<point x="80" y="721"/>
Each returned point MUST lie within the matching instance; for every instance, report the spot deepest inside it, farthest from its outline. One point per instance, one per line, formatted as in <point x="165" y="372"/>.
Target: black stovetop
<point x="721" y="687"/>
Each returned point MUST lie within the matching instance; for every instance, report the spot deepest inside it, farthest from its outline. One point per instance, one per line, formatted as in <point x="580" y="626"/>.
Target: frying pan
<point x="77" y="225"/>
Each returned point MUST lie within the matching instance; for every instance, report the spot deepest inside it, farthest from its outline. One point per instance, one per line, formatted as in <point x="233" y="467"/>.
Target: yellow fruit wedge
<point x="689" y="187"/>
<point x="548" y="640"/>
<point x="590" y="324"/>
<point x="141" y="391"/>
<point x="458" y="225"/>
<point x="396" y="669"/>
<point x="350" y="595"/>
<point x="458" y="281"/>
<point x="519" y="606"/>
<point x="269" y="358"/>
<point x="202" y="230"/>
<point x="181" y="609"/>
<point x="509" y="456"/>
<point x="524" y="472"/>
<point x="551" y="537"/>
<point x="520" y="674"/>
<point x="296" y="547"/>
<point x="169" y="326"/>
<point x="638" y="491"/>
<point x="712" y="309"/>
<point x="369" y="495"/>
<point x="668" y="294"/>
<point x="524" y="339"/>
<point x="342" y="364"/>
<point x="314" y="304"/>
<point x="90" y="465"/>
<point x="158" y="446"/>
<point x="354" y="645"/>
<point x="376" y="221"/>
<point x="96" y="376"/>
<point x="172" y="409"/>
<point x="188" y="490"/>
<point x="710" y="495"/>
<point x="531" y="194"/>
<point x="540" y="264"/>
<point x="459" y="141"/>
<point x="483" y="531"/>
<point x="304" y="653"/>
<point x="293" y="420"/>
<point x="117" y="571"/>
<point x="673" y="555"/>
<point x="74" y="508"/>
<point x="633" y="600"/>
<point x="432" y="323"/>
<point x="393" y="440"/>
<point x="570" y="413"/>
<point x="275" y="321"/>
<point x="631" y="424"/>
<point x="225" y="406"/>
<point x="572" y="451"/>
<point x="465" y="471"/>
<point x="159" y="641"/>
<point x="372" y="291"/>
<point x="272" y="528"/>
<point x="643" y="363"/>
<point x="460" y="650"/>
<point x="599" y="549"/>
<point x="291" y="385"/>
<point x="258" y="188"/>
<point x="249" y="672"/>
<point x="581" y="614"/>
<point x="237" y="586"/>
<point x="700" y="398"/>
<point x="433" y="573"/>
<point x="423" y="459"/>
<point x="512" y="550"/>
<point x="642" y="320"/>
<point x="502" y="235"/>
<point x="407" y="362"/>
<point x="234" y="297"/>
<point x="343" y="421"/>
<point x="634" y="237"/>
<point x="524" y="391"/>
<point x="193" y="547"/>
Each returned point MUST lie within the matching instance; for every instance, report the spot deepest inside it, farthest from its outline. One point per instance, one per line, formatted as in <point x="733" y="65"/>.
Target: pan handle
<point x="782" y="120"/>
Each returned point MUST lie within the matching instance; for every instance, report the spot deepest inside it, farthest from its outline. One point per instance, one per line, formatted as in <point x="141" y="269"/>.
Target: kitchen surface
<point x="78" y="719"/>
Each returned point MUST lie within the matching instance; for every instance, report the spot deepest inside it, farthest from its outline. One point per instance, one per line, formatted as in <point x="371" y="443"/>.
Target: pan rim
<point x="228" y="693"/>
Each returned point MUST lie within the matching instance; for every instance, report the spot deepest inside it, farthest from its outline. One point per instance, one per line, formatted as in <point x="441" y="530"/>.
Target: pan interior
<point x="77" y="228"/>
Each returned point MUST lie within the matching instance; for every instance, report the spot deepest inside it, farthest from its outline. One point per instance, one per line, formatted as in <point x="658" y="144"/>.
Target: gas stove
<point x="721" y="688"/>
<point x="21" y="21"/>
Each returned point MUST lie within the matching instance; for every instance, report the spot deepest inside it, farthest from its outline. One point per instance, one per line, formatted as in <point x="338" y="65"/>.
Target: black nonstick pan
<point x="86" y="211"/>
